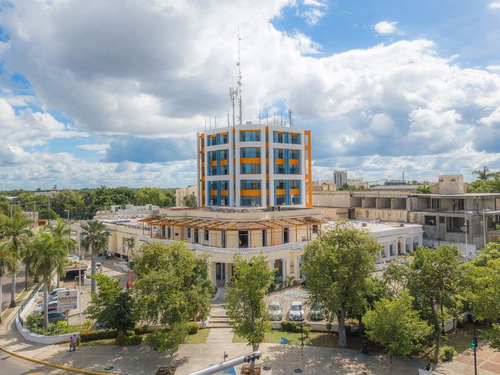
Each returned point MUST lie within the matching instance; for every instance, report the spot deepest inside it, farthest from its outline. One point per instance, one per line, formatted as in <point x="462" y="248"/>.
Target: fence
<point x="28" y="300"/>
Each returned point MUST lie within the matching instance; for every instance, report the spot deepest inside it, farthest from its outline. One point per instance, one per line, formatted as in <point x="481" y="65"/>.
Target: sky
<point x="113" y="92"/>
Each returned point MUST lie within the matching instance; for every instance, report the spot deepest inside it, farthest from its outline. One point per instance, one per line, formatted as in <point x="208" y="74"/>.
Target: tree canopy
<point x="245" y="299"/>
<point x="337" y="265"/>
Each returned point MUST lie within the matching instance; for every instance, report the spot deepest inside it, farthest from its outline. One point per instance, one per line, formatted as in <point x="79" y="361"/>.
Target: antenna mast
<point x="240" y="84"/>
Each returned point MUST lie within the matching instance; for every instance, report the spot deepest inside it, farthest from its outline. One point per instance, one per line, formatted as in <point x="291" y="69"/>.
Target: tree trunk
<point x="92" y="271"/>
<point x="342" y="333"/>
<point x="46" y="304"/>
<point x="26" y="274"/>
<point x="58" y="280"/>
<point x="1" y="302"/>
<point x="438" y="335"/>
<point x="13" y="291"/>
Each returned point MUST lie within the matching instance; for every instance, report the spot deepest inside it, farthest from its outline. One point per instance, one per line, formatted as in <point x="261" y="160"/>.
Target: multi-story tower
<point x="253" y="165"/>
<point x="339" y="178"/>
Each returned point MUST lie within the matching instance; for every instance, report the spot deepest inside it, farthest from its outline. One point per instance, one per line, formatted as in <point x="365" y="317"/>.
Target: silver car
<point x="274" y="311"/>
<point x="296" y="311"/>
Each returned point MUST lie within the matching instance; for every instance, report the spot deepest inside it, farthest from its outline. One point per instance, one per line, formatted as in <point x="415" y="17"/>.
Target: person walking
<point x="127" y="285"/>
<point x="71" y="344"/>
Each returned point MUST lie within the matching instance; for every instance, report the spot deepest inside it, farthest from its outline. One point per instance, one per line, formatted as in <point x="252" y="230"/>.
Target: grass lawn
<point x="315" y="338"/>
<point x="199" y="337"/>
<point x="19" y="298"/>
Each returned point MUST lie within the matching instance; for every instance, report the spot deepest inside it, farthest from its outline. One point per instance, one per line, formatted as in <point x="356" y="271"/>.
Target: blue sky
<point x="114" y="92"/>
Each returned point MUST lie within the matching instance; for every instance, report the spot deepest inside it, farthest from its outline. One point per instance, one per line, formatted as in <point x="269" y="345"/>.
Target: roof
<point x="232" y="225"/>
<point x="458" y="196"/>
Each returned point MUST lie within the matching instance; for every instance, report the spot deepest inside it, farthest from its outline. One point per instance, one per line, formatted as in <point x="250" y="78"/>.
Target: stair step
<point x="219" y="317"/>
<point x="219" y="325"/>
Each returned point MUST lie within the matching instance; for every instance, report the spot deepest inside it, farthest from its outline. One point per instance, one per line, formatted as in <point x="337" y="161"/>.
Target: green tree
<point x="488" y="253"/>
<point x="130" y="244"/>
<point x="483" y="173"/>
<point x="337" y="265"/>
<point x="149" y="195"/>
<point x="395" y="325"/>
<point x="433" y="280"/>
<point x="17" y="233"/>
<point x="61" y="234"/>
<point x="168" y="340"/>
<point x="424" y="189"/>
<point x="46" y="259"/>
<point x="245" y="299"/>
<point x="190" y="201"/>
<point x="94" y="239"/>
<point x="7" y="266"/>
<point x="172" y="285"/>
<point x="112" y="306"/>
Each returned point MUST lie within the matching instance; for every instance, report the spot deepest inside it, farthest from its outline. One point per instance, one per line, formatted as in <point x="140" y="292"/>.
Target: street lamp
<point x="68" y="213"/>
<point x="484" y="224"/>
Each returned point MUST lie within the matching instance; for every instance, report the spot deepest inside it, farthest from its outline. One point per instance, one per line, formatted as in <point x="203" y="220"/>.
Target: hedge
<point x="193" y="328"/>
<point x="296" y="327"/>
<point x="133" y="340"/>
<point x="98" y="335"/>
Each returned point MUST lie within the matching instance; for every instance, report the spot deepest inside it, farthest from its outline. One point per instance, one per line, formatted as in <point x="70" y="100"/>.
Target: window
<point x="212" y="171"/>
<point x="264" y="237"/>
<point x="315" y="229"/>
<point x="294" y="184"/>
<point x="253" y="201"/>
<point x="250" y="184"/>
<point x="243" y="240"/>
<point x="224" y="185"/>
<point x="250" y="152"/>
<point x="279" y="137"/>
<point x="294" y="154"/>
<point x="224" y="201"/>
<point x="295" y="198"/>
<point x="196" y="238"/>
<point x="279" y="169"/>
<point x="286" y="238"/>
<point x="223" y="139"/>
<point x="250" y="168"/>
<point x="169" y="232"/>
<point x="205" y="235"/>
<point x="213" y="200"/>
<point x="279" y="153"/>
<point x="212" y="156"/>
<point x="294" y="169"/>
<point x="430" y="220"/>
<point x="280" y="184"/>
<point x="295" y="139"/>
<point x="223" y="154"/>
<point x="223" y="238"/>
<point x="188" y="232"/>
<point x="224" y="170"/>
<point x="280" y="199"/>
<point x="250" y="136"/>
<point x="212" y="185"/>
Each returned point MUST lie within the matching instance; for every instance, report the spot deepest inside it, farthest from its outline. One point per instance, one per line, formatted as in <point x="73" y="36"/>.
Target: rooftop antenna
<point x="232" y="95"/>
<point x="210" y="122"/>
<point x="228" y="122"/>
<point x="290" y="110"/>
<point x="240" y="84"/>
<point x="205" y="124"/>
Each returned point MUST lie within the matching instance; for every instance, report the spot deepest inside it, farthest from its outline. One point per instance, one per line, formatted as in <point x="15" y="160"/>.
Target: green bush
<point x="34" y="321"/>
<point x="129" y="332"/>
<point x="296" y="327"/>
<point x="193" y="328"/>
<point x="98" y="335"/>
<point x="133" y="340"/>
<point x="448" y="352"/>
<point x="121" y="339"/>
<point x="272" y="287"/>
<point x="141" y="330"/>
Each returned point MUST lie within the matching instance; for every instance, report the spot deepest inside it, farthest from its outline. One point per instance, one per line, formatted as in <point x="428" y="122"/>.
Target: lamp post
<point x="68" y="213"/>
<point x="484" y="224"/>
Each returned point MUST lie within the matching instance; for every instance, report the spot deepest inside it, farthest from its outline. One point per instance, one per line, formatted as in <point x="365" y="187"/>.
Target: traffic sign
<point x="67" y="300"/>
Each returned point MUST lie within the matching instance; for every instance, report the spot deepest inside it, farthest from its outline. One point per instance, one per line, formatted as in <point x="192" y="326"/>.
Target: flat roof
<point x="452" y="196"/>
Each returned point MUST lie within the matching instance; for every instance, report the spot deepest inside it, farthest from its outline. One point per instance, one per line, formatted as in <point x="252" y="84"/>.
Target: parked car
<point x="55" y="316"/>
<point x="296" y="311"/>
<point x="98" y="266"/>
<point x="54" y="292"/>
<point x="51" y="306"/>
<point x="316" y="312"/>
<point x="274" y="311"/>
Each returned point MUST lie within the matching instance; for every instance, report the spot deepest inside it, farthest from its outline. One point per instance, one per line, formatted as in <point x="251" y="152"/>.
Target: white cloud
<point x="315" y="10"/>
<point x="494" y="5"/>
<point x="158" y="70"/>
<point x="100" y="148"/>
<point x="387" y="28"/>
<point x="493" y="68"/>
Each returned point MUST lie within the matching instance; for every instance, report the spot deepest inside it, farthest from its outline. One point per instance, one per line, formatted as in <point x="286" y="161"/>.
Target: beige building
<point x="443" y="213"/>
<point x="220" y="233"/>
<point x="182" y="192"/>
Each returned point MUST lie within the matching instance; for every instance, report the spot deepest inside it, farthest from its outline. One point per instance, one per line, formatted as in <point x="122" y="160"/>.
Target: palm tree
<point x="130" y="243"/>
<point x="483" y="174"/>
<point x="94" y="239"/>
<point x="17" y="233"/>
<point x="47" y="257"/>
<point x="61" y="235"/>
<point x="424" y="189"/>
<point x="7" y="265"/>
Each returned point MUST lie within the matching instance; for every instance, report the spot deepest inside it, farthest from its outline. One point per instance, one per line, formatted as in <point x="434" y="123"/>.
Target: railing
<point x="35" y="290"/>
<point x="221" y="250"/>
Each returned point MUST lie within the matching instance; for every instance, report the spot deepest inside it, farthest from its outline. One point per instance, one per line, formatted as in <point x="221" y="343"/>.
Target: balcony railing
<point x="222" y="250"/>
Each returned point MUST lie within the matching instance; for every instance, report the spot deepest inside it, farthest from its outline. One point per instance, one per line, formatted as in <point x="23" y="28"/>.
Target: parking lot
<point x="286" y="297"/>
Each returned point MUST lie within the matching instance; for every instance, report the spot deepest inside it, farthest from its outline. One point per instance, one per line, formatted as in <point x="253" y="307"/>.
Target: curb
<point x="41" y="362"/>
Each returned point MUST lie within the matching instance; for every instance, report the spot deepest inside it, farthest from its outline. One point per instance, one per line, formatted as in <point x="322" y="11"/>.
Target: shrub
<point x="272" y="287"/>
<point x="129" y="332"/>
<point x="193" y="328"/>
<point x="296" y="327"/>
<point x="98" y="335"/>
<point x="121" y="339"/>
<point x="34" y="321"/>
<point x="448" y="352"/>
<point x="133" y="340"/>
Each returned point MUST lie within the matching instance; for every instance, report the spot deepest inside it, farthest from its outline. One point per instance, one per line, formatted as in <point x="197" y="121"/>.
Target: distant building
<point x="128" y="212"/>
<point x="358" y="183"/>
<point x="182" y="192"/>
<point x="339" y="178"/>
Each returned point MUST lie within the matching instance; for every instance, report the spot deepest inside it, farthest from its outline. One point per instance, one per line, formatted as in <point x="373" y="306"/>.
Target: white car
<point x="54" y="292"/>
<point x="274" y="311"/>
<point x="52" y="306"/>
<point x="296" y="311"/>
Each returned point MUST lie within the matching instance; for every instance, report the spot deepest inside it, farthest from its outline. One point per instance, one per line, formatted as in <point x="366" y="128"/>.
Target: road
<point x="7" y="284"/>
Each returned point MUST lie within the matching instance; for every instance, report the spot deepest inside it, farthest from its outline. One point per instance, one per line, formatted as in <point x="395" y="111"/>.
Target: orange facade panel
<point x="280" y="161"/>
<point x="293" y="161"/>
<point x="224" y="193"/>
<point x="249" y="193"/>
<point x="213" y="163"/>
<point x="250" y="161"/>
<point x="223" y="162"/>
<point x="280" y="191"/>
